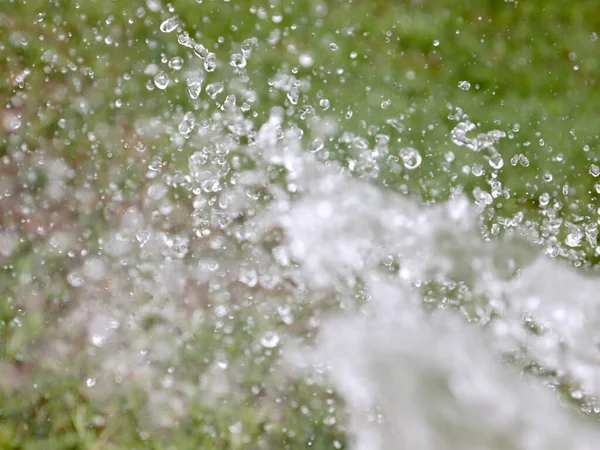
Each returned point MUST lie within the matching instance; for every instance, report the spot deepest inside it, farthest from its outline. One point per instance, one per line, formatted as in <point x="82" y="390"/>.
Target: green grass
<point x="74" y="79"/>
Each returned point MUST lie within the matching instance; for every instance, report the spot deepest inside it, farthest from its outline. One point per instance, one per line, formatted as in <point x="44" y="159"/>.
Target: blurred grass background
<point x="75" y="87"/>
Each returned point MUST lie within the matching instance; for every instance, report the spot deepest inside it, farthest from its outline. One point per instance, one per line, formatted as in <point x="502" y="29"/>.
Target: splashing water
<point x="439" y="325"/>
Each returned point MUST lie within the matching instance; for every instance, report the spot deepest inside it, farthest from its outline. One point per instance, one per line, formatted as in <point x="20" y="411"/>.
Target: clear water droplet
<point x="285" y="312"/>
<point x="169" y="25"/>
<point x="573" y="239"/>
<point x="246" y="48"/>
<point x="185" y="40"/>
<point x="316" y="145"/>
<point x="194" y="85"/>
<point x="594" y="170"/>
<point x="324" y="104"/>
<point x="210" y="63"/>
<point x="187" y="123"/>
<point x="200" y="50"/>
<point x="90" y="382"/>
<point x="142" y="236"/>
<point x="75" y="279"/>
<point x="496" y="161"/>
<point x="98" y="340"/>
<point x="215" y="89"/>
<point x="411" y="158"/>
<point x="305" y="60"/>
<point x="464" y="85"/>
<point x="161" y="80"/>
<point x="293" y="95"/>
<point x="238" y="61"/>
<point x="176" y="63"/>
<point x="269" y="340"/>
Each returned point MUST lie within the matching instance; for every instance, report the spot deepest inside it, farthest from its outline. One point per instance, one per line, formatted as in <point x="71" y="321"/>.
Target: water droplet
<point x="187" y="123"/>
<point x="464" y="85"/>
<point x="293" y="95"/>
<point x="316" y="145"/>
<point x="594" y="170"/>
<point x="246" y="48"/>
<point x="235" y="428"/>
<point x="573" y="239"/>
<point x="176" y="63"/>
<point x="269" y="340"/>
<point x="386" y="104"/>
<point x="90" y="382"/>
<point x="577" y="394"/>
<point x="75" y="279"/>
<point x="396" y="123"/>
<point x="477" y="170"/>
<point x="333" y="46"/>
<point x="329" y="421"/>
<point x="215" y="89"/>
<point x="142" y="236"/>
<point x="324" y="104"/>
<point x="436" y="42"/>
<point x="496" y="161"/>
<point x="285" y="312"/>
<point x="98" y="340"/>
<point x="194" y="85"/>
<point x="411" y="158"/>
<point x="544" y="199"/>
<point x="210" y="63"/>
<point x="238" y="61"/>
<point x="459" y="135"/>
<point x="185" y="40"/>
<point x="161" y="80"/>
<point x="306" y="60"/>
<point x="169" y="25"/>
<point x="200" y="50"/>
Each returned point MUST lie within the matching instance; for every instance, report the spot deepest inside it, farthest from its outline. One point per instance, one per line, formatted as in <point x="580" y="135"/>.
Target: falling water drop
<point x="185" y="40"/>
<point x="215" y="89"/>
<point x="293" y="95"/>
<point x="238" y="61"/>
<point x="269" y="340"/>
<point x="317" y="145"/>
<point x="194" y="85"/>
<point x="246" y="48"/>
<point x="210" y="63"/>
<point x="200" y="50"/>
<point x="169" y="25"/>
<point x="161" y="80"/>
<point x="464" y="85"/>
<point x="187" y="123"/>
<point x="495" y="160"/>
<point x="176" y="63"/>
<point x="306" y="60"/>
<point x="411" y="158"/>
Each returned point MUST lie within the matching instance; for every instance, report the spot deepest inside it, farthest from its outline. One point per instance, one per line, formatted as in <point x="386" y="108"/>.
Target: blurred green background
<point x="76" y="90"/>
